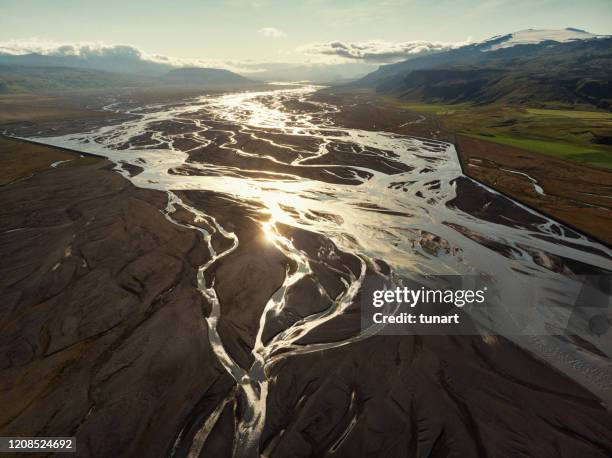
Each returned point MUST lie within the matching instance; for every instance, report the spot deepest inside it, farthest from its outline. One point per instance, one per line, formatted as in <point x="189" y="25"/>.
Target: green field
<point x="599" y="157"/>
<point x="576" y="135"/>
<point x="575" y="114"/>
<point x="435" y="108"/>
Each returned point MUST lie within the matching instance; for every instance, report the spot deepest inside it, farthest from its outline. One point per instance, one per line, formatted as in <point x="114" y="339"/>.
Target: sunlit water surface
<point x="388" y="217"/>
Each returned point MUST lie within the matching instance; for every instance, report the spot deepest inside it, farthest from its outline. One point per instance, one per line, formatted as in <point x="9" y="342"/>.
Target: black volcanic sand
<point x="247" y="277"/>
<point x="384" y="396"/>
<point x="348" y="154"/>
<point x="102" y="330"/>
<point x="432" y="396"/>
<point x="274" y="159"/>
<point x="220" y="156"/>
<point x="103" y="336"/>
<point x="269" y="152"/>
<point x="362" y="109"/>
<point x="473" y="199"/>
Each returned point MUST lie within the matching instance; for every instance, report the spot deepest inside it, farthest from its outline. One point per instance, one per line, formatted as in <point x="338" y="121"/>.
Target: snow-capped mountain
<point x="567" y="66"/>
<point x="535" y="36"/>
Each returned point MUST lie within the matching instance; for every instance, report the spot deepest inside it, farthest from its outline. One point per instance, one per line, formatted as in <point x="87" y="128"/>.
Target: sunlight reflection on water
<point x="401" y="218"/>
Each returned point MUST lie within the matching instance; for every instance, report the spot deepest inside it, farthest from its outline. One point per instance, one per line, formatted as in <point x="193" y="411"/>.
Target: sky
<point x="288" y="30"/>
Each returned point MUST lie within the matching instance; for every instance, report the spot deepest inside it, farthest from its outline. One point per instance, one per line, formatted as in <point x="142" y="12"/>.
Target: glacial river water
<point x="403" y="211"/>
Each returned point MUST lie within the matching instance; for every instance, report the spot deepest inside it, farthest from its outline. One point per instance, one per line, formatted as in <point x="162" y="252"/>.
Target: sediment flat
<point x="578" y="195"/>
<point x="103" y="337"/>
<point x="102" y="330"/>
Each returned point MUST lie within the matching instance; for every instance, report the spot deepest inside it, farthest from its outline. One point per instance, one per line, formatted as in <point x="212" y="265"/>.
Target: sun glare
<point x="269" y="231"/>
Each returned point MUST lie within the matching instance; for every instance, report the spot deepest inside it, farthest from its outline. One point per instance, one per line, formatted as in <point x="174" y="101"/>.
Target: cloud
<point x="50" y="48"/>
<point x="130" y="59"/>
<point x="272" y="32"/>
<point x="97" y="53"/>
<point x="377" y="51"/>
<point x="334" y="52"/>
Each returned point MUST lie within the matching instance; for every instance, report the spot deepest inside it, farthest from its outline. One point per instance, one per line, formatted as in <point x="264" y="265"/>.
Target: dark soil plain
<point x="576" y="194"/>
<point x="103" y="333"/>
<point x="98" y="304"/>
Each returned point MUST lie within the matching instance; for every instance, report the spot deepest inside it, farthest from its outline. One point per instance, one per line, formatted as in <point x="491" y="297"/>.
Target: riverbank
<point x="103" y="334"/>
<point x="576" y="194"/>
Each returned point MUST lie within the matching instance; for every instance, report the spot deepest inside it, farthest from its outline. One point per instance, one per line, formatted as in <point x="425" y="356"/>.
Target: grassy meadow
<point x="573" y="134"/>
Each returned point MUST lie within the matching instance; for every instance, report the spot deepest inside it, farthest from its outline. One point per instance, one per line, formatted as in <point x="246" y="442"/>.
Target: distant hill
<point x="204" y="76"/>
<point x="126" y="62"/>
<point x="529" y="67"/>
<point x="48" y="79"/>
<point x="24" y="79"/>
<point x="121" y="66"/>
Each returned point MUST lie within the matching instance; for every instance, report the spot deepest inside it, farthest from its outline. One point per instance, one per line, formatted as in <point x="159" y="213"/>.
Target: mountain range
<point x="25" y="79"/>
<point x="567" y="66"/>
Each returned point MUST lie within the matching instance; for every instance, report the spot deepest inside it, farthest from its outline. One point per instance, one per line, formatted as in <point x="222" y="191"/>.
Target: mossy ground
<point x="21" y="160"/>
<point x="572" y="134"/>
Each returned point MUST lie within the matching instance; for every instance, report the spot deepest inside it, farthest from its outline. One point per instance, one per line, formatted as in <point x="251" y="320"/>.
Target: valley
<point x="271" y="229"/>
<point x="253" y="259"/>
